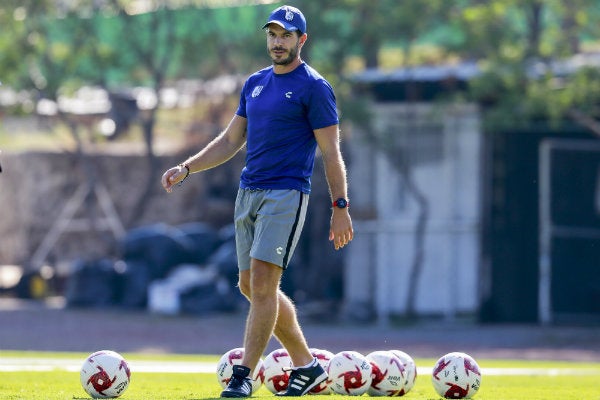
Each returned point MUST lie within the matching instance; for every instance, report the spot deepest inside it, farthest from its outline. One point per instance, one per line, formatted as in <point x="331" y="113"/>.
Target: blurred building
<point x="454" y="221"/>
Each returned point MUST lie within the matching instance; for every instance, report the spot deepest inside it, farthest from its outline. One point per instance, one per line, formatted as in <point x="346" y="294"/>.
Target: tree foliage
<point x="526" y="50"/>
<point x="47" y="48"/>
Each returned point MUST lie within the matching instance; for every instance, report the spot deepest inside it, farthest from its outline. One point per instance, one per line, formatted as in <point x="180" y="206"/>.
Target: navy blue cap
<point x="289" y="18"/>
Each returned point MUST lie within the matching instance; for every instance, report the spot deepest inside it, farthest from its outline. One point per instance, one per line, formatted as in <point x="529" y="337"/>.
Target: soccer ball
<point x="349" y="373"/>
<point x="456" y="376"/>
<point x="410" y="370"/>
<point x="105" y="375"/>
<point x="234" y="357"/>
<point x="323" y="357"/>
<point x="277" y="364"/>
<point x="387" y="376"/>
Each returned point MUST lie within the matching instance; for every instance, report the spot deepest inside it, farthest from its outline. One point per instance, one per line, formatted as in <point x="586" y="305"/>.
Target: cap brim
<point x="284" y="25"/>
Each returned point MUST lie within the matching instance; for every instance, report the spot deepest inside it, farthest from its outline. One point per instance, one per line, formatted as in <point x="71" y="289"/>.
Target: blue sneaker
<point x="303" y="379"/>
<point x="240" y="384"/>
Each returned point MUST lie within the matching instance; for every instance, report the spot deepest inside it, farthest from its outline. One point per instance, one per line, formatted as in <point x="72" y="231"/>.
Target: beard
<point x="293" y="53"/>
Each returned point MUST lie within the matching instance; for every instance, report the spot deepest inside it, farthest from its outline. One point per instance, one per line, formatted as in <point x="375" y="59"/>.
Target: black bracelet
<point x="187" y="168"/>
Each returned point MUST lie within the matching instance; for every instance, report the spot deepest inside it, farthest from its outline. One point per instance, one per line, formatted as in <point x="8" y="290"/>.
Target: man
<point x="285" y="111"/>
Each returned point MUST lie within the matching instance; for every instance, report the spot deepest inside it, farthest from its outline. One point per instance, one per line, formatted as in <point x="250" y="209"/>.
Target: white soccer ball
<point x="323" y="357"/>
<point x="105" y="375"/>
<point x="234" y="357"/>
<point x="349" y="373"/>
<point x="410" y="370"/>
<point x="387" y="376"/>
<point x="277" y="369"/>
<point x="456" y="376"/>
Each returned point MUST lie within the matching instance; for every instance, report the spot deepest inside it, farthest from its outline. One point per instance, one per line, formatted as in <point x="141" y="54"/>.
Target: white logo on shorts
<point x="279" y="250"/>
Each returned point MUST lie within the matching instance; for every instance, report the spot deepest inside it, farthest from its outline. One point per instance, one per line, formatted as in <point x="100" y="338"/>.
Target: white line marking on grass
<point x="14" y="364"/>
<point x="73" y="365"/>
<point x="525" y="371"/>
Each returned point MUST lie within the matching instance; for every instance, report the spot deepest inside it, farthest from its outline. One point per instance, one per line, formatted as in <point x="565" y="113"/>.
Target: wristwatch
<point x="341" y="203"/>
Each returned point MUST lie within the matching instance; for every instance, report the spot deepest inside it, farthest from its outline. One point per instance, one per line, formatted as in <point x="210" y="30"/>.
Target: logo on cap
<point x="288" y="17"/>
<point x="289" y="14"/>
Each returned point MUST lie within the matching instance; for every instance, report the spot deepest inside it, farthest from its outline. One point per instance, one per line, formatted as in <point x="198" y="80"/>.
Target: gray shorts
<point x="268" y="224"/>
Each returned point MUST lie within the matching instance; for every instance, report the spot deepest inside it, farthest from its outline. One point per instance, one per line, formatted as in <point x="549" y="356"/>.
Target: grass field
<point x="54" y="376"/>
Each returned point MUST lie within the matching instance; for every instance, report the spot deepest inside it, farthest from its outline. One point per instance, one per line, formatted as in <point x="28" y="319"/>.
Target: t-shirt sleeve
<point x="241" y="110"/>
<point x="322" y="110"/>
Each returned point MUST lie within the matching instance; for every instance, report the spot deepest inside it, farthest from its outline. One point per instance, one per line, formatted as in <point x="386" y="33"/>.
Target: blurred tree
<point x="34" y="56"/>
<point x="151" y="44"/>
<point x="163" y="43"/>
<point x="363" y="28"/>
<point x="526" y="49"/>
<point x="11" y="63"/>
<point x="406" y="23"/>
<point x="113" y="45"/>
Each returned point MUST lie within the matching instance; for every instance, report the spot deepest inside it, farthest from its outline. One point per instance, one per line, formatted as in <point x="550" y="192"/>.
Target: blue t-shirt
<point x="282" y="111"/>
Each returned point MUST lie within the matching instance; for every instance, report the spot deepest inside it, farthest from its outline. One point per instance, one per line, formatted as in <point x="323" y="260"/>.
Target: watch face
<point x="341" y="203"/>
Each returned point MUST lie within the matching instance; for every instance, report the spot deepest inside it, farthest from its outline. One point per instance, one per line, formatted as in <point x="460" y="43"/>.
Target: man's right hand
<point x="173" y="176"/>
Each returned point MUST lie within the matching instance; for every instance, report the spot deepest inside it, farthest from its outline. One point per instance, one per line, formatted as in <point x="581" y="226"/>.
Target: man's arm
<point x="218" y="151"/>
<point x="328" y="139"/>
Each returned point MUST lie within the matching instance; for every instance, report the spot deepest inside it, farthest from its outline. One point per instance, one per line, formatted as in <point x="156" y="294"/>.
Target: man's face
<point x="283" y="46"/>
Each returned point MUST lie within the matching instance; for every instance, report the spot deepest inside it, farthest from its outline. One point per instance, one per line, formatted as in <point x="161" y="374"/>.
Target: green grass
<point x="581" y="382"/>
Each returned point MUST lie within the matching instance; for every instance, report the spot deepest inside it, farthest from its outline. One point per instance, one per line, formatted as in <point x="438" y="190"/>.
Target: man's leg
<point x="288" y="332"/>
<point x="307" y="372"/>
<point x="261" y="285"/>
<point x="259" y="323"/>
<point x="272" y="312"/>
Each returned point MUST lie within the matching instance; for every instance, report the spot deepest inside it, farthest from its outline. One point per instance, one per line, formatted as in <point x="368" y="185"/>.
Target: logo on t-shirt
<point x="256" y="91"/>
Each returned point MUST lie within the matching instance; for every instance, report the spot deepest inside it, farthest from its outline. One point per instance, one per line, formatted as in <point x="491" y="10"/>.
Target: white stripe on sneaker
<point x="300" y="377"/>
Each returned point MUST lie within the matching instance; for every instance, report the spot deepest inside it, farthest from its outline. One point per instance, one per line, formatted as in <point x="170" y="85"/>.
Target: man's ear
<point x="303" y="38"/>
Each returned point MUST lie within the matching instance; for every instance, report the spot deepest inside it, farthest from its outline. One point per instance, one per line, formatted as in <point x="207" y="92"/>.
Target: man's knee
<point x="260" y="289"/>
<point x="244" y="287"/>
<point x="244" y="283"/>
